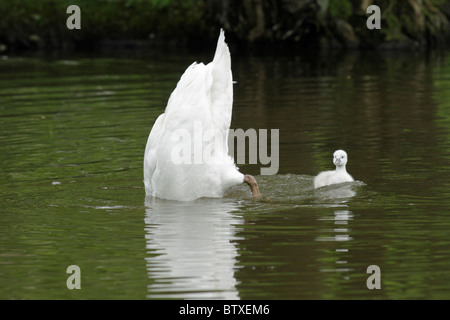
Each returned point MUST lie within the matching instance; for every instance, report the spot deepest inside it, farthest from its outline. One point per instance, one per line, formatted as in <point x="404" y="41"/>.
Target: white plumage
<point x="194" y="128"/>
<point x="339" y="175"/>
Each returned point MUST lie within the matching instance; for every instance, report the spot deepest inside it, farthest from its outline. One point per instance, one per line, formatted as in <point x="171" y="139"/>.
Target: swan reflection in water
<point x="191" y="252"/>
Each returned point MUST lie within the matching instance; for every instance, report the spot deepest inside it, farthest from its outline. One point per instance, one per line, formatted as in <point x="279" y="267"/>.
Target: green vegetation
<point x="42" y="24"/>
<point x="340" y="9"/>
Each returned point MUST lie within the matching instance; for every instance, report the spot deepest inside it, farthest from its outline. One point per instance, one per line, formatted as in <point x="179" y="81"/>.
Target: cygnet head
<point x="340" y="158"/>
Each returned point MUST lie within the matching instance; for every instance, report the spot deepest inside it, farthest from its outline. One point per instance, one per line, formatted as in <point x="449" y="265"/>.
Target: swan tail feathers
<point x="222" y="85"/>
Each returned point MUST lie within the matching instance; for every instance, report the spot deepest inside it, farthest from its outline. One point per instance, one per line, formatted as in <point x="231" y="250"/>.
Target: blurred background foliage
<point x="41" y="24"/>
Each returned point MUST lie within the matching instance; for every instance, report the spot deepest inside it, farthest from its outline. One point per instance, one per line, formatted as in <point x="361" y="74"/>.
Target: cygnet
<point x="339" y="175"/>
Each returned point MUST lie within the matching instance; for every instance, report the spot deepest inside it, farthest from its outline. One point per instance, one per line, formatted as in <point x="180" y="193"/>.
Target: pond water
<point x="72" y="137"/>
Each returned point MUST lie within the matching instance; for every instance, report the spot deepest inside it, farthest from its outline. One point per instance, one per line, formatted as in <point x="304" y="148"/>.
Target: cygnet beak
<point x="337" y="161"/>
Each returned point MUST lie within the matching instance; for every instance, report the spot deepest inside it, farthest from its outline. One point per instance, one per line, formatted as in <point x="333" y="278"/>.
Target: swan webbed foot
<point x="250" y="180"/>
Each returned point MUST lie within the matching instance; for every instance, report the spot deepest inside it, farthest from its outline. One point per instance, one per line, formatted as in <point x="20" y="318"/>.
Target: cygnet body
<point x="339" y="175"/>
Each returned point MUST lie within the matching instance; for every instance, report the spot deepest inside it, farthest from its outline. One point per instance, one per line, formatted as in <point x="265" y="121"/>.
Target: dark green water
<point x="72" y="138"/>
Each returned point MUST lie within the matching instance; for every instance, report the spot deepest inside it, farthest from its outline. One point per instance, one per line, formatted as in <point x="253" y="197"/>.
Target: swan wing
<point x="204" y="94"/>
<point x="189" y="102"/>
<point x="201" y="104"/>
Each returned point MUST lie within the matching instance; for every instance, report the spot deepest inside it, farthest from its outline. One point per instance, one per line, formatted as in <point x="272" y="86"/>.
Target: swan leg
<point x="250" y="180"/>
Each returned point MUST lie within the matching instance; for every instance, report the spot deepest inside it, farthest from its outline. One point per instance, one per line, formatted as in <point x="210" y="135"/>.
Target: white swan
<point x="200" y="104"/>
<point x="339" y="175"/>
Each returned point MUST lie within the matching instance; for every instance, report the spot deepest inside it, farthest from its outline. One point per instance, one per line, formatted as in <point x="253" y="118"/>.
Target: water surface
<point x="72" y="137"/>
